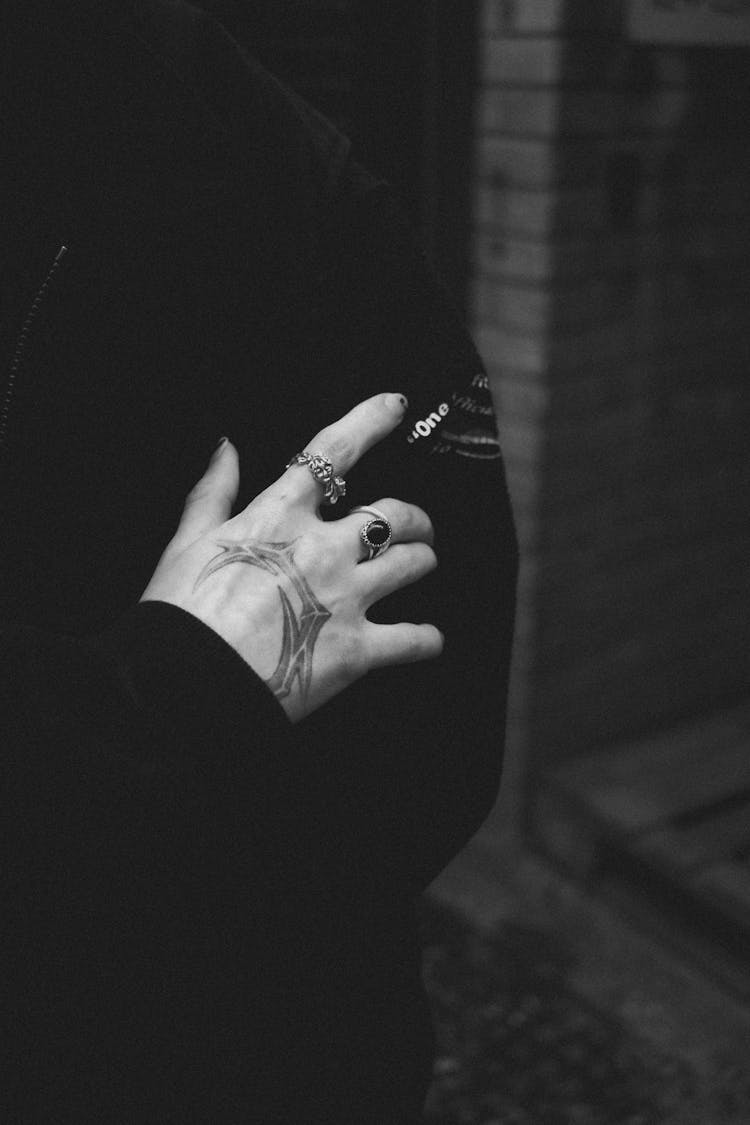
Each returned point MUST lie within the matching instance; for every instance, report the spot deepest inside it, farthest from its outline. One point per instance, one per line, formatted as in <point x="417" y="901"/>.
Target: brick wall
<point x="610" y="301"/>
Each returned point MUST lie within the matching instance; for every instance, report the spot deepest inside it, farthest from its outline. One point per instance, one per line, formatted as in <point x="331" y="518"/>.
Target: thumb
<point x="209" y="503"/>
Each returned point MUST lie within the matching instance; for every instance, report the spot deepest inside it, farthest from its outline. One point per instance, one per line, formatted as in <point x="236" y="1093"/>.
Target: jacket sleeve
<point x="415" y="751"/>
<point x="159" y="693"/>
<point x="118" y="753"/>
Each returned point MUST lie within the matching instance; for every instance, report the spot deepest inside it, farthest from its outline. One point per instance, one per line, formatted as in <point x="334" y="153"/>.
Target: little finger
<point x="402" y="644"/>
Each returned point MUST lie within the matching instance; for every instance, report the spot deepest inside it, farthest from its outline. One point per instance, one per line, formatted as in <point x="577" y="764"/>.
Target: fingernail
<point x="222" y="442"/>
<point x="397" y="402"/>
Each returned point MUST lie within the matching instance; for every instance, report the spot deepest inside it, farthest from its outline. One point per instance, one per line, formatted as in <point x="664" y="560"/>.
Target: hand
<point x="296" y="610"/>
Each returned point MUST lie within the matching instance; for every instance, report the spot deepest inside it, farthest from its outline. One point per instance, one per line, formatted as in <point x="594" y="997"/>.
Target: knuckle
<point x="395" y="511"/>
<point x="255" y="522"/>
<point x="337" y="447"/>
<point x="314" y="550"/>
<point x="271" y="512"/>
<point x="415" y="519"/>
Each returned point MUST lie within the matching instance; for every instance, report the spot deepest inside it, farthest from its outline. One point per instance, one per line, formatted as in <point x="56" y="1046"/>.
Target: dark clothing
<point x="207" y="911"/>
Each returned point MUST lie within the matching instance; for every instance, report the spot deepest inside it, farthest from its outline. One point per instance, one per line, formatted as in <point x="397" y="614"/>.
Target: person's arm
<point x="95" y="729"/>
<point x="151" y="785"/>
<point x="409" y="761"/>
<point x="110" y="749"/>
<point x="248" y="621"/>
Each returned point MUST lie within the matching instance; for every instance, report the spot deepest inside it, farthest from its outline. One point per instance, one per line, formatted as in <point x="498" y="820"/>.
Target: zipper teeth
<point x="23" y="336"/>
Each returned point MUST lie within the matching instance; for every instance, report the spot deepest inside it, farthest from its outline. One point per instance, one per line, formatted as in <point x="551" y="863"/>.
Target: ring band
<point x="377" y="533"/>
<point x="322" y="469"/>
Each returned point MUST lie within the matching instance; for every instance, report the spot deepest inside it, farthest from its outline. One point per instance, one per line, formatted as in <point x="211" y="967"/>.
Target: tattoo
<point x="301" y="629"/>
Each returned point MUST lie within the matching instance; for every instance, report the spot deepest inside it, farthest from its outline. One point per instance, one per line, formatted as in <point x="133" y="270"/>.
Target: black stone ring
<point x="376" y="534"/>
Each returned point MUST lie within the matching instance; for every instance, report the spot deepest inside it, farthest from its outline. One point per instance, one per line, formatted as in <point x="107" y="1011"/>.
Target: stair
<point x="663" y="825"/>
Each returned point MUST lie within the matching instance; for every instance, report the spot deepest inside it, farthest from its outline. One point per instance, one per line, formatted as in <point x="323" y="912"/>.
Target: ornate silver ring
<point x="322" y="469"/>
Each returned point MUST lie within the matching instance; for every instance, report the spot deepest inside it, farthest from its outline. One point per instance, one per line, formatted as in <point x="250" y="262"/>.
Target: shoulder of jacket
<point x="256" y="113"/>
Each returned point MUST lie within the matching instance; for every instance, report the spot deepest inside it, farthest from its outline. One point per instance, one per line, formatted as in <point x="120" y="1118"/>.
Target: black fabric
<point x="208" y="911"/>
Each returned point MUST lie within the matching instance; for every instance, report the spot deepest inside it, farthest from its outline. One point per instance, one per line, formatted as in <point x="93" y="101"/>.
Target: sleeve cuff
<point x="194" y="694"/>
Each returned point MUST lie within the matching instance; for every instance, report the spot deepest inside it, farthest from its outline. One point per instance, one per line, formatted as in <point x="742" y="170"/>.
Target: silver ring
<point x="377" y="533"/>
<point x="322" y="469"/>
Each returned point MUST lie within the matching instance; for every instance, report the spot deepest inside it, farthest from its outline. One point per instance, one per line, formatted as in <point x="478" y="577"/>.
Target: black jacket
<point x="206" y="909"/>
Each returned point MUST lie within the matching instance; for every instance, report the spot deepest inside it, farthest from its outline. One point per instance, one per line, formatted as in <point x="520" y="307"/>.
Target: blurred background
<point x="579" y="173"/>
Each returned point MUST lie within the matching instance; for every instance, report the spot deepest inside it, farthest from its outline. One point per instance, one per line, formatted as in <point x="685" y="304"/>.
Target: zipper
<point x="21" y="343"/>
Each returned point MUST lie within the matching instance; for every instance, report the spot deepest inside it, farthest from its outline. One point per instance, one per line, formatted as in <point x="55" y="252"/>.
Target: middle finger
<point x="409" y="524"/>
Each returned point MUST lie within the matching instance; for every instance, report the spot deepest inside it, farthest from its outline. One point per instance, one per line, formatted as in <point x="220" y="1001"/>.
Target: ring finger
<point x="401" y="565"/>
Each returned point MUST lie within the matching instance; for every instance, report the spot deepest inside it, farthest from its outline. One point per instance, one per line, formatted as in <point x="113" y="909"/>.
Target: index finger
<point x="345" y="441"/>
